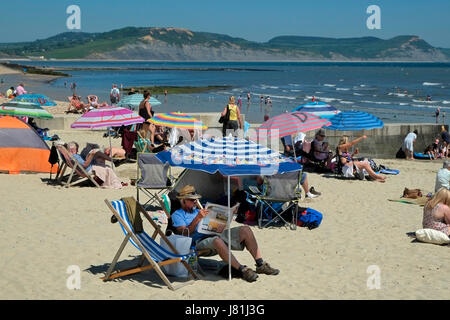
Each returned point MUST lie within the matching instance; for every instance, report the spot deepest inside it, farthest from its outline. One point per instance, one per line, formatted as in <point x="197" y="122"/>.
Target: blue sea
<point x="395" y="92"/>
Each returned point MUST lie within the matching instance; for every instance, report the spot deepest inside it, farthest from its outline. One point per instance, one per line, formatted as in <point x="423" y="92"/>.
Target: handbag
<point x="183" y="245"/>
<point x="226" y="117"/>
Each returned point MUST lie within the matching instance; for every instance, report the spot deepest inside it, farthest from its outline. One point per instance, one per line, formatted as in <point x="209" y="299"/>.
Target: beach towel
<point x="420" y="201"/>
<point x="421" y="156"/>
<point x="133" y="214"/>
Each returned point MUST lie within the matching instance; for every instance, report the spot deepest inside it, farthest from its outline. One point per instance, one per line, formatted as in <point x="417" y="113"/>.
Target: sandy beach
<point x="47" y="228"/>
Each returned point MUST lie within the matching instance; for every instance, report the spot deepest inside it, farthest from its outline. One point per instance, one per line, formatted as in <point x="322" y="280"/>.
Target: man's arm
<point x="193" y="225"/>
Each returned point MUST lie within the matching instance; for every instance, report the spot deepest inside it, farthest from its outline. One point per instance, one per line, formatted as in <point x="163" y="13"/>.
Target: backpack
<point x="373" y="165"/>
<point x="309" y="218"/>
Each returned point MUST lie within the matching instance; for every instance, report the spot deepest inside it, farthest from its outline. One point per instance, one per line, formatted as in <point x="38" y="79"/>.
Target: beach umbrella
<point x="35" y="98"/>
<point x="109" y="116"/>
<point x="320" y="109"/>
<point x="133" y="101"/>
<point x="290" y="123"/>
<point x="354" y="121"/>
<point x="177" y="120"/>
<point x="231" y="157"/>
<point x="24" y="109"/>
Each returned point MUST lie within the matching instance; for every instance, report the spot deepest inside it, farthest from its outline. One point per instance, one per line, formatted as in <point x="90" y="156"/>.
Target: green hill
<point x="182" y="44"/>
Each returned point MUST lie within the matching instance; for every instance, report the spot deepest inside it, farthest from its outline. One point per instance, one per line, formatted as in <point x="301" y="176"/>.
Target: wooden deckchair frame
<point x="145" y="254"/>
<point x="70" y="162"/>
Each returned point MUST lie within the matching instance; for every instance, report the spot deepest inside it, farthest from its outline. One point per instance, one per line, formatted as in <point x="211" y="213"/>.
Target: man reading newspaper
<point x="189" y="217"/>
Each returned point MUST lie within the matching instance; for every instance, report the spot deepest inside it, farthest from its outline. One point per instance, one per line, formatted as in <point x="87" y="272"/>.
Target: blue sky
<point x="256" y="20"/>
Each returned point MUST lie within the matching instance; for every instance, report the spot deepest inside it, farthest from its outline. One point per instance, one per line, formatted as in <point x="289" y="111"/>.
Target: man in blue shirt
<point x="188" y="218"/>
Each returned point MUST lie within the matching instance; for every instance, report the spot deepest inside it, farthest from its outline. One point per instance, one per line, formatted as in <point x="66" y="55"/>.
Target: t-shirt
<point x="233" y="111"/>
<point x="182" y="218"/>
<point x="410" y="136"/>
<point x="82" y="161"/>
<point x="8" y="93"/>
<point x="442" y="179"/>
<point x="115" y="92"/>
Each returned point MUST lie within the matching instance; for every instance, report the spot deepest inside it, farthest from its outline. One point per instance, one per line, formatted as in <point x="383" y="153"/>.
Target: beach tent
<point x="229" y="157"/>
<point x="21" y="148"/>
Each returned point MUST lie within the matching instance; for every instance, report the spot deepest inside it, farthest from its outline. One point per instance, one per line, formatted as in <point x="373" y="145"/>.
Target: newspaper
<point x="217" y="219"/>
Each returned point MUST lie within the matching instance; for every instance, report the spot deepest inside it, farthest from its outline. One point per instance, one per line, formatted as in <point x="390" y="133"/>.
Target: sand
<point x="46" y="228"/>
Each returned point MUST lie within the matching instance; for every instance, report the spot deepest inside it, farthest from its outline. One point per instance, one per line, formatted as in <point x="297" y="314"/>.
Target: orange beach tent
<point x="21" y="148"/>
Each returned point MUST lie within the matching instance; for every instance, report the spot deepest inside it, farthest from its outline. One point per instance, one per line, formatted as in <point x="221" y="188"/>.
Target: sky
<point x="255" y="20"/>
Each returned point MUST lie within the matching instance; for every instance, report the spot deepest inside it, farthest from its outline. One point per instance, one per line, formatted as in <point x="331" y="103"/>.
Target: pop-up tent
<point x="21" y="148"/>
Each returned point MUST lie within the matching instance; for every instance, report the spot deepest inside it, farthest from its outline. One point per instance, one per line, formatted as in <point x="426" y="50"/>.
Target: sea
<point x="392" y="91"/>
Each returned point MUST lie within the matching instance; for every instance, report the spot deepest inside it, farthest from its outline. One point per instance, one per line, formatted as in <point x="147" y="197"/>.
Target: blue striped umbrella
<point x="133" y="101"/>
<point x="229" y="156"/>
<point x="353" y="121"/>
<point x="35" y="98"/>
<point x="320" y="109"/>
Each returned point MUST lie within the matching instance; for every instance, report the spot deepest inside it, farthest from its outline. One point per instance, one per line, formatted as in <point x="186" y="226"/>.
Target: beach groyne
<point x="380" y="143"/>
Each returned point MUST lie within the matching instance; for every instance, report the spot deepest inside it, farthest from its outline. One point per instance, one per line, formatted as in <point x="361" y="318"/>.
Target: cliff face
<point x="182" y="44"/>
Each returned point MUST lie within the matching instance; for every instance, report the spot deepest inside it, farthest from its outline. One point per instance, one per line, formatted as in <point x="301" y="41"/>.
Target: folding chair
<point x="154" y="177"/>
<point x="277" y="190"/>
<point x="156" y="255"/>
<point x="78" y="172"/>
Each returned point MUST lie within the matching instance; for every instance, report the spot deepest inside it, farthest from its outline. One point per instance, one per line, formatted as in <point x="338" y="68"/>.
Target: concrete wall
<point x="380" y="143"/>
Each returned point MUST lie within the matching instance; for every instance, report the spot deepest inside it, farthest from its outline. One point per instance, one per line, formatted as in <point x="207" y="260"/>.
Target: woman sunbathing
<point x="77" y="105"/>
<point x="93" y="102"/>
<point x="351" y="166"/>
<point x="436" y="212"/>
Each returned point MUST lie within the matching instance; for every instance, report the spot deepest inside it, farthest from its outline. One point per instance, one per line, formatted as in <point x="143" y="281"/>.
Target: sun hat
<point x="188" y="192"/>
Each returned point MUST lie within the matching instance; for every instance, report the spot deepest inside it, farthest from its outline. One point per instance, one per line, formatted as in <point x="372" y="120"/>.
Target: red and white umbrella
<point x="290" y="123"/>
<point x="108" y="116"/>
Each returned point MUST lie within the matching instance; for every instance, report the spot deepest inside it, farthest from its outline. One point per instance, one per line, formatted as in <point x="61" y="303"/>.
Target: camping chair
<point x="78" y="172"/>
<point x="277" y="190"/>
<point x="153" y="176"/>
<point x="156" y="255"/>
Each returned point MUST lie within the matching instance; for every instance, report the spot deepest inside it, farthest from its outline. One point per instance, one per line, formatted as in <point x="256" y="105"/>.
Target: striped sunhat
<point x="24" y="109"/>
<point x="177" y="120"/>
<point x="108" y="116"/>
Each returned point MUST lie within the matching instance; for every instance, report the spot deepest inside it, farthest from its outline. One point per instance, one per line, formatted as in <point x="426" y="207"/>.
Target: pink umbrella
<point x="290" y="123"/>
<point x="109" y="116"/>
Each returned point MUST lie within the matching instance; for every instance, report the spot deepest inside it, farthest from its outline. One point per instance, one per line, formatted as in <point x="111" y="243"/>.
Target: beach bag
<point x="226" y="117"/>
<point x="183" y="245"/>
<point x="400" y="154"/>
<point x="373" y="165"/>
<point x="309" y="218"/>
<point x="412" y="193"/>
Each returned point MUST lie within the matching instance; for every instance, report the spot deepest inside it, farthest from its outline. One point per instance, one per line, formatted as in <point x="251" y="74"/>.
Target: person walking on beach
<point x="145" y="109"/>
<point x="408" y="144"/>
<point x="242" y="237"/>
<point x="248" y="98"/>
<point x="235" y="121"/>
<point x="240" y="102"/>
<point x="114" y="95"/>
<point x="438" y="110"/>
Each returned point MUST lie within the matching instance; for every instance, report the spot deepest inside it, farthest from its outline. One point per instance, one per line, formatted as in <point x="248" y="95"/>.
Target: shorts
<point x="235" y="243"/>
<point x="302" y="180"/>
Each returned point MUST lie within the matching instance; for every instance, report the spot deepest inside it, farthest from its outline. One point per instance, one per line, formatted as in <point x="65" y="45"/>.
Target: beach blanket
<point x="421" y="156"/>
<point x="420" y="201"/>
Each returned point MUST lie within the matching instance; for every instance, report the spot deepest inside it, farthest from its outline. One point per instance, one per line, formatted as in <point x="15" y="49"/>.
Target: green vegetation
<point x="176" y="90"/>
<point x="77" y="45"/>
<point x="35" y="70"/>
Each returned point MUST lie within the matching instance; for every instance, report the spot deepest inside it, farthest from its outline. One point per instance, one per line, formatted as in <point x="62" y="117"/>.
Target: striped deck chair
<point x="78" y="173"/>
<point x="156" y="255"/>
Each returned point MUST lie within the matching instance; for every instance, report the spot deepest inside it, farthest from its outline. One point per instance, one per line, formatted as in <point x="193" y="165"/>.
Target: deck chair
<point x="277" y="190"/>
<point x="154" y="178"/>
<point x="156" y="255"/>
<point x="77" y="174"/>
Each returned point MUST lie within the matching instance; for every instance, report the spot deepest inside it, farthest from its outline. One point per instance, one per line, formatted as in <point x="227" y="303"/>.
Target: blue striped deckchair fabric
<point x="156" y="252"/>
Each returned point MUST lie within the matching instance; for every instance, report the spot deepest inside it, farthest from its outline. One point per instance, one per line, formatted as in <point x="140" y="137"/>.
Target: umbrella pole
<point x="110" y="148"/>
<point x="229" y="231"/>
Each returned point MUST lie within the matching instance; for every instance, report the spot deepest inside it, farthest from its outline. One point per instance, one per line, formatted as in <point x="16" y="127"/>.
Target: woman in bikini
<point x="350" y="166"/>
<point x="145" y="109"/>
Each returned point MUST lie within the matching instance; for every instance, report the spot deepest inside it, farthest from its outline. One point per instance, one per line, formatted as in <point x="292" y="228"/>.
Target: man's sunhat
<point x="188" y="192"/>
<point x="321" y="132"/>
